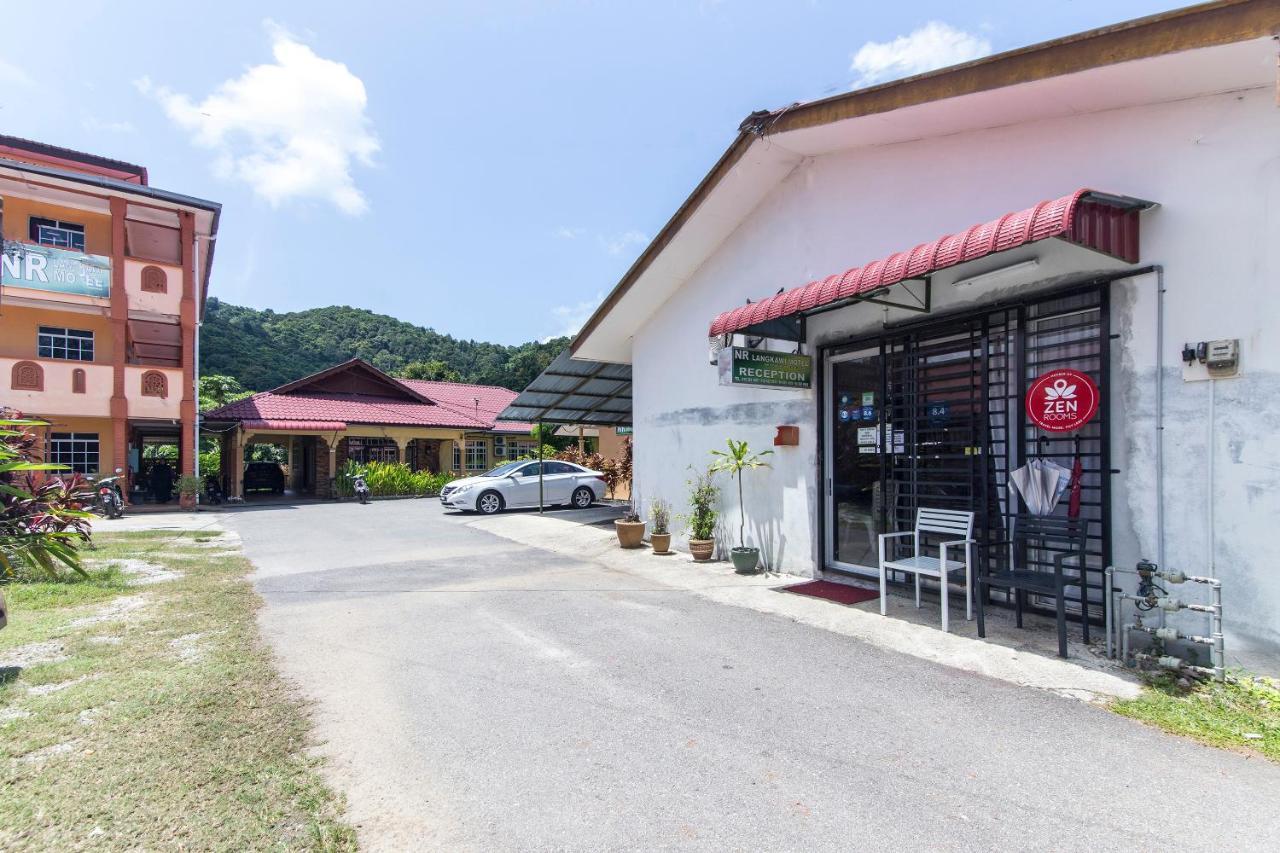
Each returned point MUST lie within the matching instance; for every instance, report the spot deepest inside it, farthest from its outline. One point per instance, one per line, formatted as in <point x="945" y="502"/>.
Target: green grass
<point x="1214" y="713"/>
<point x="178" y="732"/>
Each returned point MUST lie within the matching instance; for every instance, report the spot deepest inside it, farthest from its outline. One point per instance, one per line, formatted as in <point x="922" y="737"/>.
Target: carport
<point x="573" y="391"/>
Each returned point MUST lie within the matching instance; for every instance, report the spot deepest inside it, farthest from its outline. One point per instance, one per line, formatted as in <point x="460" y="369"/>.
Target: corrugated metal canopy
<point x="1100" y="221"/>
<point x="575" y="391"/>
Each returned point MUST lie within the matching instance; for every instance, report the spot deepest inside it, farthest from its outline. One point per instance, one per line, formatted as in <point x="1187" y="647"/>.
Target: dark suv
<point x="264" y="476"/>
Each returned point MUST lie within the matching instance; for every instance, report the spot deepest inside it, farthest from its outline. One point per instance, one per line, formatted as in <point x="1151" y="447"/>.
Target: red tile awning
<point x="298" y="426"/>
<point x="1098" y="221"/>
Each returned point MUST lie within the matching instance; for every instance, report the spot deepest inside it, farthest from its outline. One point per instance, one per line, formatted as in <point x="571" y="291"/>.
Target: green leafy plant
<point x="737" y="459"/>
<point x="390" y="479"/>
<point x="660" y="515"/>
<point x="704" y="495"/>
<point x="188" y="485"/>
<point x="42" y="520"/>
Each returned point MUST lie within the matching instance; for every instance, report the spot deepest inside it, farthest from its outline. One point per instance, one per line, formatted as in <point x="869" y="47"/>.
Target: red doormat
<point x="837" y="592"/>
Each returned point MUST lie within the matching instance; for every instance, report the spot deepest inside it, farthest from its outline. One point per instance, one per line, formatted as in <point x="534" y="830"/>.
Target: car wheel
<point x="583" y="497"/>
<point x="489" y="503"/>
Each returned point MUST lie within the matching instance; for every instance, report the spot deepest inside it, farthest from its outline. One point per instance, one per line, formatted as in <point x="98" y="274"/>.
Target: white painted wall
<point x="1210" y="162"/>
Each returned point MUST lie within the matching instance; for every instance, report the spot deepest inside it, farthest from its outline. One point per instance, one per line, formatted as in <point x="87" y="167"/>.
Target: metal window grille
<point x="77" y="450"/>
<point x="61" y="235"/>
<point x="476" y="456"/>
<point x="70" y="344"/>
<point x="366" y="450"/>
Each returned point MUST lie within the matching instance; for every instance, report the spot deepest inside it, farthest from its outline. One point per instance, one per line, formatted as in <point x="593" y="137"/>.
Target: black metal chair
<point x="1068" y="538"/>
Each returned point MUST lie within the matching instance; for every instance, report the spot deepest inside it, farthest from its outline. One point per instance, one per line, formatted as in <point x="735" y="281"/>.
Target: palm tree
<point x="734" y="461"/>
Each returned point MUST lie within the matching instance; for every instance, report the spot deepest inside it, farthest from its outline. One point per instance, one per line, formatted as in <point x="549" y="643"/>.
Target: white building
<point x="1178" y="110"/>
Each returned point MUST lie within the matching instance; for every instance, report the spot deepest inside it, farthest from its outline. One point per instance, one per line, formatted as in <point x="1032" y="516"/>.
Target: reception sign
<point x="57" y="270"/>
<point x="742" y="366"/>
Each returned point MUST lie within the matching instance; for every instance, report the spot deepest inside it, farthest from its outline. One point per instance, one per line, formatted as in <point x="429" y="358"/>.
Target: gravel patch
<point x="7" y="714"/>
<point x="121" y="608"/>
<point x="143" y="572"/>
<point x="46" y="752"/>
<point x="46" y="689"/>
<point x="188" y="647"/>
<point x="34" y="653"/>
<point x="104" y="640"/>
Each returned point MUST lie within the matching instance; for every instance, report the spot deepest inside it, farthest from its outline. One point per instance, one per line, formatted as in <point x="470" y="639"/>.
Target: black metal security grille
<point x="954" y="425"/>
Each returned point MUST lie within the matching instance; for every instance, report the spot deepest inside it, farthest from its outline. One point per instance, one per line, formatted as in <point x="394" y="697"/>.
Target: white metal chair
<point x="950" y="522"/>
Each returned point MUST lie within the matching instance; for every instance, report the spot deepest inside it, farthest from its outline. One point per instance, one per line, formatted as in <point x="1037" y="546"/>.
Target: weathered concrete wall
<point x="1210" y="162"/>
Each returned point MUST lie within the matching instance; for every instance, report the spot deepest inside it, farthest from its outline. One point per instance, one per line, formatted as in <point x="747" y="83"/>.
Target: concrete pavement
<point x="475" y="693"/>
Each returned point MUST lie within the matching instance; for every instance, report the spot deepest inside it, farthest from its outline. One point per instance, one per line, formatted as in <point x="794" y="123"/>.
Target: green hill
<point x="264" y="349"/>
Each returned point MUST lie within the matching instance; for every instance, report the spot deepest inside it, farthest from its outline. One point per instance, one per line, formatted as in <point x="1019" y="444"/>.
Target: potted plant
<point x="660" y="533"/>
<point x="702" y="517"/>
<point x="630" y="527"/>
<point x="188" y="488"/>
<point x="734" y="461"/>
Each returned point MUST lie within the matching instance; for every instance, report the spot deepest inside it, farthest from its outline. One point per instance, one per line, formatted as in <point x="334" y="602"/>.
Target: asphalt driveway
<point x="476" y="694"/>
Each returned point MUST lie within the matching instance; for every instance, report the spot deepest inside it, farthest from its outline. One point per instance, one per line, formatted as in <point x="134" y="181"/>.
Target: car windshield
<point x="504" y="470"/>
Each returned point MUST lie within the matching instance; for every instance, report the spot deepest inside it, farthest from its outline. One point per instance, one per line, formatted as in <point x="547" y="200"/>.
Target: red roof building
<point x="354" y="411"/>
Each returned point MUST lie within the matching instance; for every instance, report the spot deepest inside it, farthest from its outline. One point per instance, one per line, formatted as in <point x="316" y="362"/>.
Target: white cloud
<point x="566" y="232"/>
<point x="98" y="125"/>
<point x="291" y="129"/>
<point x="619" y="244"/>
<point x="569" y="318"/>
<point x="935" y="45"/>
<point x="12" y="75"/>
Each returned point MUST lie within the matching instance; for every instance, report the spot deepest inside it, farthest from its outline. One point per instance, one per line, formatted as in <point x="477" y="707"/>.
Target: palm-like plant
<point x="734" y="461"/>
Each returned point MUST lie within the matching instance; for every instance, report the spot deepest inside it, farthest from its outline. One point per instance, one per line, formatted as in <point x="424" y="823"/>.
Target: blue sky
<point x="488" y="169"/>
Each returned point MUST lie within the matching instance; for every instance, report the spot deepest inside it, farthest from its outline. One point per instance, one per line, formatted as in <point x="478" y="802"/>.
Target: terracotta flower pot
<point x="187" y="501"/>
<point x="661" y="542"/>
<point x="630" y="533"/>
<point x="702" y="549"/>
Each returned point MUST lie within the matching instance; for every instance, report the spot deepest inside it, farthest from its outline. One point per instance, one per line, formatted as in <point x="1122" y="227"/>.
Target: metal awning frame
<point x="603" y="408"/>
<point x="792" y="327"/>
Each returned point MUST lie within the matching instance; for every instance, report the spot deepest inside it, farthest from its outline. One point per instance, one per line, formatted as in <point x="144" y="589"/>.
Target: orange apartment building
<point x="103" y="284"/>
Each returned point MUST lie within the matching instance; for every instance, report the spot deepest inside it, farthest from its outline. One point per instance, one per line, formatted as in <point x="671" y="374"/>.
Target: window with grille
<point x="366" y="450"/>
<point x="457" y="457"/>
<point x="77" y="450"/>
<point x="476" y="457"/>
<point x="57" y="233"/>
<point x="70" y="344"/>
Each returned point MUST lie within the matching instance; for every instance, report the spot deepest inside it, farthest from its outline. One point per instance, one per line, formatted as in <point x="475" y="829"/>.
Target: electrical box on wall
<point x="1204" y="360"/>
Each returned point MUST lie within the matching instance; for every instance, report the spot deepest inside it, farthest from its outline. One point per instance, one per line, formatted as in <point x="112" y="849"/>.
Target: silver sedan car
<point x="515" y="484"/>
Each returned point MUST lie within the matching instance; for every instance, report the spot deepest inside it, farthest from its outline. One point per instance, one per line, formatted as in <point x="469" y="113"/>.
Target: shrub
<point x="660" y="515"/>
<point x="41" y="519"/>
<point x="704" y="495"/>
<point x="390" y="479"/>
<point x="612" y="469"/>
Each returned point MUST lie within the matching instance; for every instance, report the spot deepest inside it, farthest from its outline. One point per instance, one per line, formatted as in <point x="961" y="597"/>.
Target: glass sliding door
<point x="854" y="472"/>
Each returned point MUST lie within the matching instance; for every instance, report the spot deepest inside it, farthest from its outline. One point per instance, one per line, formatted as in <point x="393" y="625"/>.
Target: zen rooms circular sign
<point x="1062" y="400"/>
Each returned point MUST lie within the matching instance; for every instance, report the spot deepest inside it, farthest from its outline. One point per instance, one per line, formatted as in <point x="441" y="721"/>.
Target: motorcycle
<point x="360" y="487"/>
<point x="212" y="491"/>
<point x="107" y="500"/>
